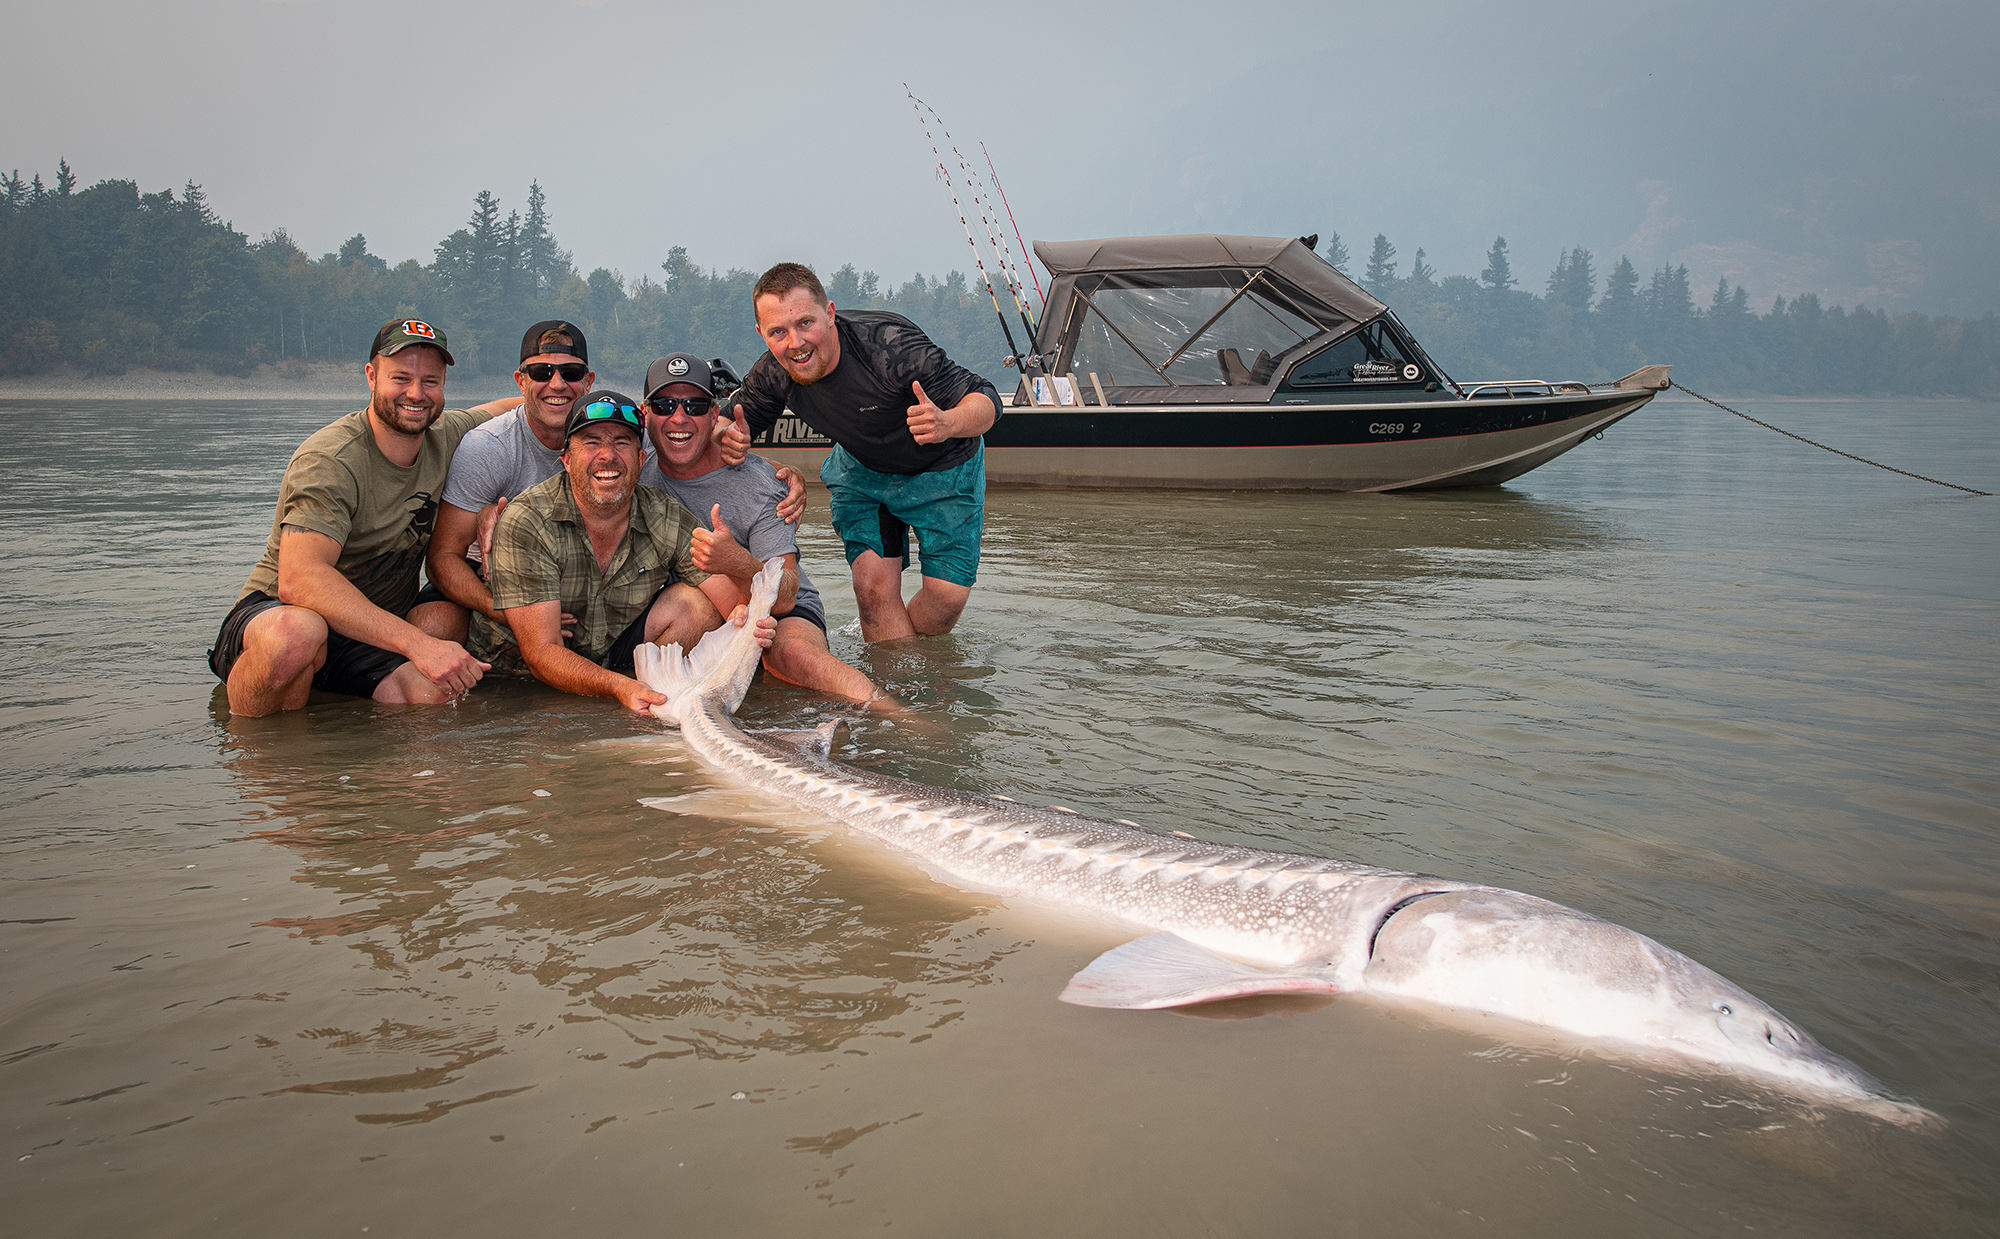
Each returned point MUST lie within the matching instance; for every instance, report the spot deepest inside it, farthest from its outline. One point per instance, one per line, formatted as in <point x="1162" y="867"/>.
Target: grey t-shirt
<point x="498" y="460"/>
<point x="749" y="495"/>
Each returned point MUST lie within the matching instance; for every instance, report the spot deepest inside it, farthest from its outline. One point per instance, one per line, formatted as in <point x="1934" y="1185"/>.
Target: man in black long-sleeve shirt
<point x="906" y="422"/>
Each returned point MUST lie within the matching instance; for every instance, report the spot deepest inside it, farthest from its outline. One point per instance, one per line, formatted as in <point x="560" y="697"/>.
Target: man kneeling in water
<point x="592" y="543"/>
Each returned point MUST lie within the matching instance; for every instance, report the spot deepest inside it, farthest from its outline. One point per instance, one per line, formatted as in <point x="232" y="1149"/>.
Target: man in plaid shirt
<point x="592" y="543"/>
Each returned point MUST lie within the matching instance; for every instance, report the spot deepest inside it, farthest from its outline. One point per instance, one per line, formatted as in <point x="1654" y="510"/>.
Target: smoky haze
<point x="1843" y="149"/>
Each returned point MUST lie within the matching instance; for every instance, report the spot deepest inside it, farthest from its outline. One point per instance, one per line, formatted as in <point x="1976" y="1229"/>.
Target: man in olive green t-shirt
<point x="333" y="604"/>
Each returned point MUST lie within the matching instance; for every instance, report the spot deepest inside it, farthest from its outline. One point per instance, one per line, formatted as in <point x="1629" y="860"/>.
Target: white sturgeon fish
<point x="1233" y="921"/>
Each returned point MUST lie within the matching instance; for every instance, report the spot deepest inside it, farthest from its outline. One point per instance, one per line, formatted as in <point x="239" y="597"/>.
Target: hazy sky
<point x="1848" y="149"/>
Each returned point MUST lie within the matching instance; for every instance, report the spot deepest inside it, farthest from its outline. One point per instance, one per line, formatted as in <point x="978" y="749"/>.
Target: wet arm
<point x="726" y="590"/>
<point x="454" y="577"/>
<point x="307" y="577"/>
<point x="538" y="629"/>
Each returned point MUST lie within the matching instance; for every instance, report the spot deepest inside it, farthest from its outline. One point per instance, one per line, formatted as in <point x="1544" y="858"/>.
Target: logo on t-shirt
<point x="424" y="514"/>
<point x="416" y="327"/>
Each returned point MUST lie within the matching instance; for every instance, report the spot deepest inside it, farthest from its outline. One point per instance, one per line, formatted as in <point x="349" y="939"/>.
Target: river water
<point x="350" y="970"/>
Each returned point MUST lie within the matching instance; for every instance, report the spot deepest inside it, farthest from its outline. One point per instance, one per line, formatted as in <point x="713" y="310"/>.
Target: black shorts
<point x="619" y="657"/>
<point x="352" y="667"/>
<point x="806" y="611"/>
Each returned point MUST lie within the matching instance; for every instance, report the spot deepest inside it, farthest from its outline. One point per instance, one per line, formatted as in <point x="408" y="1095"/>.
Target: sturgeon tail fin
<point x="664" y="670"/>
<point x="1164" y="970"/>
<point x="723" y="660"/>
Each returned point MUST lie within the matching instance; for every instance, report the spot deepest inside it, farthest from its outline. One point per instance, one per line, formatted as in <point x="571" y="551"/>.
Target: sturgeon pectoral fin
<point x="1165" y="970"/>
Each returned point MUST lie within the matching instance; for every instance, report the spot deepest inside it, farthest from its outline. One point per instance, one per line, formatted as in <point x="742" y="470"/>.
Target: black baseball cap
<point x="531" y="343"/>
<point x="400" y="333"/>
<point x="605" y="405"/>
<point x="679" y="368"/>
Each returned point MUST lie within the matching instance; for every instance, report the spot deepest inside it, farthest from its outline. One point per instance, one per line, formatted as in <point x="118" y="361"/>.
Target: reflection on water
<point x="690" y="936"/>
<point x="442" y="969"/>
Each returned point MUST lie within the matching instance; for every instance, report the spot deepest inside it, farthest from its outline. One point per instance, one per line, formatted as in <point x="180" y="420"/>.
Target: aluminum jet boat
<point x="1251" y="363"/>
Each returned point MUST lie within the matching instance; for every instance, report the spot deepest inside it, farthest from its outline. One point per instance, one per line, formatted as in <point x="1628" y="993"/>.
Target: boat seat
<point x="1266" y="366"/>
<point x="1234" y="372"/>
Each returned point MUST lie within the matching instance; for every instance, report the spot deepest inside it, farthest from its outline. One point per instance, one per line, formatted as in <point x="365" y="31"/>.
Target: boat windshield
<point x="1370" y="355"/>
<point x="1229" y="327"/>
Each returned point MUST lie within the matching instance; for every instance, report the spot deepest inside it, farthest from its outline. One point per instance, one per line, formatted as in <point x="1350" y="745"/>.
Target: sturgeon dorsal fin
<point x="1165" y="970"/>
<point x="817" y="741"/>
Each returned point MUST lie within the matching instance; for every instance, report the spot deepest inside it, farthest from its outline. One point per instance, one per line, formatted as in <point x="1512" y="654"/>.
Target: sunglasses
<point x="543" y="371"/>
<point x="605" y="410"/>
<point x="696" y="406"/>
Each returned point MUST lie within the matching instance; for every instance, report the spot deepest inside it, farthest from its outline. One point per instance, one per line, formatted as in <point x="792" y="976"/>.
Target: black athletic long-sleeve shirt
<point x="864" y="404"/>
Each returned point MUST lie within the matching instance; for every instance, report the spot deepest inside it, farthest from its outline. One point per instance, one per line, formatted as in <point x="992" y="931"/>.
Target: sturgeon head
<point x="1498" y="951"/>
<point x="720" y="666"/>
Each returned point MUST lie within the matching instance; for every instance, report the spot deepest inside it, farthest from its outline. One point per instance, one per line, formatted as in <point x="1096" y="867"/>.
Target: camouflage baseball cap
<point x="400" y="333"/>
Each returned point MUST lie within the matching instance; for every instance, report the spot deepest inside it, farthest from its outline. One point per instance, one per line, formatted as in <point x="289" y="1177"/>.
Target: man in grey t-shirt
<point x="514" y="451"/>
<point x="744" y="532"/>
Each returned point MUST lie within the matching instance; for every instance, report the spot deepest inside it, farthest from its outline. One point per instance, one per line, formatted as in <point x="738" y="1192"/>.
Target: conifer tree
<point x="1499" y="274"/>
<point x="544" y="264"/>
<point x="65" y="179"/>
<point x="1420" y="271"/>
<point x="1381" y="270"/>
<point x="1621" y="289"/>
<point x="1574" y="281"/>
<point x="1336" y="253"/>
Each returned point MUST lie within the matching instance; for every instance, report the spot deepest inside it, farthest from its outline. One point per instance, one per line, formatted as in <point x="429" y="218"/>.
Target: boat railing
<point x="1515" y="388"/>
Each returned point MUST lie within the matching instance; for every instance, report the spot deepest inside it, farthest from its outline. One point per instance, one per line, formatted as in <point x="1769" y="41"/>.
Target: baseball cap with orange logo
<point x="400" y="333"/>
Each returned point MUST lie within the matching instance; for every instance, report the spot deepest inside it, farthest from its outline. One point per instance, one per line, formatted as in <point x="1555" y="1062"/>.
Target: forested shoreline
<point x="97" y="280"/>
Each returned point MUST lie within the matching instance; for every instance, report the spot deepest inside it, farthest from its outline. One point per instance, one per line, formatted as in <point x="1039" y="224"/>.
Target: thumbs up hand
<point x="928" y="423"/>
<point x="717" y="551"/>
<point x="733" y="436"/>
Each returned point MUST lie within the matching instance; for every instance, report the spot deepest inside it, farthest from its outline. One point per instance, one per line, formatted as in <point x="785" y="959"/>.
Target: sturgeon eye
<point x="1722" y="1008"/>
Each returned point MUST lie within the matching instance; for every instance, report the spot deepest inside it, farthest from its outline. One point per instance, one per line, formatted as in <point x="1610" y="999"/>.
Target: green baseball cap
<point x="400" y="333"/>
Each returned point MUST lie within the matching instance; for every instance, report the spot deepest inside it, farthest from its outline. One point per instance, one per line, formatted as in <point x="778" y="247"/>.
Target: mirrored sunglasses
<point x="605" y="410"/>
<point x="543" y="371"/>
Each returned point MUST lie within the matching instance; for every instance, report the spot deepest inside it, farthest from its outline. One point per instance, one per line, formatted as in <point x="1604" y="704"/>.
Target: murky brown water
<point x="345" y="971"/>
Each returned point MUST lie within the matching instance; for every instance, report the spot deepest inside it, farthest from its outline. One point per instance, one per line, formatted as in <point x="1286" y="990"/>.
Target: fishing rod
<point x="1044" y="298"/>
<point x="977" y="261"/>
<point x="1013" y="278"/>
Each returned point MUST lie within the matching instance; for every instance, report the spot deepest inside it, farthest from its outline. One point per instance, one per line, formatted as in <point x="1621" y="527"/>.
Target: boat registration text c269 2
<point x="1393" y="428"/>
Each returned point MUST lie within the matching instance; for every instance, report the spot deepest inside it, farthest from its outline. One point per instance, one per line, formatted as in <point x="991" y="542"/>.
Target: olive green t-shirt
<point x="340" y="484"/>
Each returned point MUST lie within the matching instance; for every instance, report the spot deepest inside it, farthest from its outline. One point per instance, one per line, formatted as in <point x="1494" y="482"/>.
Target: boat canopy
<point x="1195" y="311"/>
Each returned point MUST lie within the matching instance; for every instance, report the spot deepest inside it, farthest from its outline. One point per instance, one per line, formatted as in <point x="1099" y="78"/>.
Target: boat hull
<point x="1340" y="447"/>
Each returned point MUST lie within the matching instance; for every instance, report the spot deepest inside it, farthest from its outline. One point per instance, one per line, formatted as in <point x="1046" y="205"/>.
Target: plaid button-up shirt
<point x="541" y="553"/>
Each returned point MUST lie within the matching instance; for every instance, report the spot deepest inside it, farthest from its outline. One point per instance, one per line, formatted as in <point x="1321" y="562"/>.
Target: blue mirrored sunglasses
<point x="604" y="410"/>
